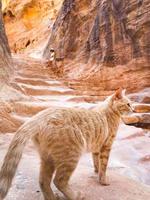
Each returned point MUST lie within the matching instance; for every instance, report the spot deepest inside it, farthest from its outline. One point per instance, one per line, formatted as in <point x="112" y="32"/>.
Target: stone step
<point x="44" y="90"/>
<point x="28" y="75"/>
<point x="45" y="87"/>
<point x="141" y="120"/>
<point x="20" y="118"/>
<point x="64" y="98"/>
<point x="141" y="108"/>
<point x="141" y="97"/>
<point x="37" y="81"/>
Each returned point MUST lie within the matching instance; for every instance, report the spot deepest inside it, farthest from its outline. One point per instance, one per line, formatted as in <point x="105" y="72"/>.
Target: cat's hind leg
<point x="46" y="172"/>
<point x="62" y="177"/>
<point x="95" y="161"/>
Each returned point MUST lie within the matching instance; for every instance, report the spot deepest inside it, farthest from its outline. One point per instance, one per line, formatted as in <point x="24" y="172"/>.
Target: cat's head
<point x="121" y="103"/>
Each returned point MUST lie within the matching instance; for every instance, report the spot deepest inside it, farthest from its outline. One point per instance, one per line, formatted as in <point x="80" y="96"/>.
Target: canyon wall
<point x="5" y="55"/>
<point x="105" y="42"/>
<point x="28" y="23"/>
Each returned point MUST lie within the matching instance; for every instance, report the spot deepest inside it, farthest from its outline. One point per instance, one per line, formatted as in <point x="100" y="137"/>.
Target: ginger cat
<point x="61" y="135"/>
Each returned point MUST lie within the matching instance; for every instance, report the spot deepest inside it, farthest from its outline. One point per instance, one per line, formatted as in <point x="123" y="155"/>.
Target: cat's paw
<point x="104" y="181"/>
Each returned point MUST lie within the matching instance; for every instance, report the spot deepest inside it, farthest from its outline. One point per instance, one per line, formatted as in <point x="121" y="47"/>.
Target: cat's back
<point x="77" y="115"/>
<point x="72" y="115"/>
<point x="68" y="126"/>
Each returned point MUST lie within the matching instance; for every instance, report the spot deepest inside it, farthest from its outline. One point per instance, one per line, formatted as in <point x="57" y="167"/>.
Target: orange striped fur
<point x="61" y="136"/>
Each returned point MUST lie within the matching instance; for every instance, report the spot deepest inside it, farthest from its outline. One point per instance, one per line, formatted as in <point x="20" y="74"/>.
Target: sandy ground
<point x="25" y="185"/>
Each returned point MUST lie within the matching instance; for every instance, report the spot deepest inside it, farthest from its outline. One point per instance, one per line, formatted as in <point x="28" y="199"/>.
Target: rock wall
<point x="28" y="23"/>
<point x="5" y="55"/>
<point x="111" y="32"/>
<point x="105" y="42"/>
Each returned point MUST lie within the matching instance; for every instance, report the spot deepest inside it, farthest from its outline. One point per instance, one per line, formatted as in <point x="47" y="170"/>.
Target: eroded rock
<point x="104" y="43"/>
<point x="33" y="19"/>
<point x="141" y="118"/>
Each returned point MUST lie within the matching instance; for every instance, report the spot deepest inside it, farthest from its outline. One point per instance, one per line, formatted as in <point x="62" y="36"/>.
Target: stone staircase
<point x="42" y="89"/>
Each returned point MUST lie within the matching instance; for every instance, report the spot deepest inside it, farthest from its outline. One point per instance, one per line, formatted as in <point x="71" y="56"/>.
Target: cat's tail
<point x="14" y="154"/>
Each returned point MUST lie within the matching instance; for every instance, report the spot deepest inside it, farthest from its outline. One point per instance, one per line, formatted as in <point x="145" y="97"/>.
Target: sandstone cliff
<point x="28" y="23"/>
<point x="5" y="55"/>
<point x="105" y="42"/>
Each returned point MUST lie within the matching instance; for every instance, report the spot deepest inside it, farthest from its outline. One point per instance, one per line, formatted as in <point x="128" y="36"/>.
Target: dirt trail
<point x="129" y="158"/>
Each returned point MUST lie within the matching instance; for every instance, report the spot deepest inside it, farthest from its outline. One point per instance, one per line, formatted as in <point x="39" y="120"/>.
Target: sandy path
<point x="25" y="185"/>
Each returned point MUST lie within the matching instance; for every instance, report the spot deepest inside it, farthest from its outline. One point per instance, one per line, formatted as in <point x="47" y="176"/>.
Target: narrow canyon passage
<point x="75" y="53"/>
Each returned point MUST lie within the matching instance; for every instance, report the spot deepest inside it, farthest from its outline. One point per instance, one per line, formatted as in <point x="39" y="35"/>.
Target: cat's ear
<point x="118" y="94"/>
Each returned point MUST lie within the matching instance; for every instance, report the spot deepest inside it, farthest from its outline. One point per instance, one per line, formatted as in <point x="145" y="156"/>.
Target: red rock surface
<point x="33" y="19"/>
<point x="5" y="54"/>
<point x="105" y="45"/>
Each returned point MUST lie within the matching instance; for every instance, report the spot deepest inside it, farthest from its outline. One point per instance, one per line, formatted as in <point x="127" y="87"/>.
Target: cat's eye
<point x="128" y="104"/>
